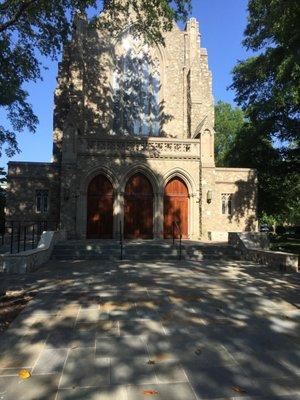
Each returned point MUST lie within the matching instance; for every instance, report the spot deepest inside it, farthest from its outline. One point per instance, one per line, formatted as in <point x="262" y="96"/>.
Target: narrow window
<point x="223" y="204"/>
<point x="38" y="201"/>
<point x="227" y="204"/>
<point x="42" y="201"/>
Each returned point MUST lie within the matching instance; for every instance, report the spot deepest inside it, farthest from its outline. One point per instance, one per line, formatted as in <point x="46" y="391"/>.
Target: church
<point x="133" y="144"/>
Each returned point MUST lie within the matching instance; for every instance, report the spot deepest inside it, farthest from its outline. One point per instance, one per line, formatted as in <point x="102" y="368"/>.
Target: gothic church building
<point x="133" y="145"/>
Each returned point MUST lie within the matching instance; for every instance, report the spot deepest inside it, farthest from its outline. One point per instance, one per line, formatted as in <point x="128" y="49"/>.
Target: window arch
<point x="136" y="86"/>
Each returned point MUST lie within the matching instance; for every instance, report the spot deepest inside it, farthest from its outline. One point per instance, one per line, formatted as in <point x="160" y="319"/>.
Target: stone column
<point x="81" y="219"/>
<point x="158" y="216"/>
<point x="118" y="214"/>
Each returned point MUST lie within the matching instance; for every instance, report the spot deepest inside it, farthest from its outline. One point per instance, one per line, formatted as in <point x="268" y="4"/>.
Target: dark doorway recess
<point x="138" y="208"/>
<point x="176" y="208"/>
<point x="100" y="200"/>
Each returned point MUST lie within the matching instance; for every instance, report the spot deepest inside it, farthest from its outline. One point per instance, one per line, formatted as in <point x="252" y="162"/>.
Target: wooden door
<point x="100" y="199"/>
<point x="138" y="208"/>
<point x="176" y="208"/>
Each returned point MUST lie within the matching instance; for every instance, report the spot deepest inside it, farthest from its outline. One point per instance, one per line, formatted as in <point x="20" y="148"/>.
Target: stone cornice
<point x="143" y="147"/>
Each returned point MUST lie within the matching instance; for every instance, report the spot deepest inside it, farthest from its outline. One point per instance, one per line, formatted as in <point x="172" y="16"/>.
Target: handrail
<point x="121" y="242"/>
<point x="175" y="224"/>
<point x="27" y="232"/>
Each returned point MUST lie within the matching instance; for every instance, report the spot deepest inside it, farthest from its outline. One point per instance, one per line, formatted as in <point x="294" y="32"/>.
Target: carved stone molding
<point x="150" y="148"/>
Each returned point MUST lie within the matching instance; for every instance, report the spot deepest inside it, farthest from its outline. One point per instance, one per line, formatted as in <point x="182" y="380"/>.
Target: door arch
<point x="138" y="208"/>
<point x="100" y="200"/>
<point x="176" y="207"/>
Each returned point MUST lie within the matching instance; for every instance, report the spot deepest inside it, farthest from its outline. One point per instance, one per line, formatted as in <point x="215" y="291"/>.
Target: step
<point x="140" y="250"/>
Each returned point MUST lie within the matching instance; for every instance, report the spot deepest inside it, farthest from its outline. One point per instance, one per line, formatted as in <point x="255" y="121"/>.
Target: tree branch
<point x="22" y="9"/>
<point x="4" y="6"/>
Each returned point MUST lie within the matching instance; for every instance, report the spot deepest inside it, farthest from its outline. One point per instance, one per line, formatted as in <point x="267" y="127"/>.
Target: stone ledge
<point x="250" y="251"/>
<point x="31" y="260"/>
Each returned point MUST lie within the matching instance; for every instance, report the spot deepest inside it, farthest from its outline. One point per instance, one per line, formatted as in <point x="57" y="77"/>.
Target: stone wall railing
<point x="151" y="147"/>
<point x="31" y="260"/>
<point x="250" y="251"/>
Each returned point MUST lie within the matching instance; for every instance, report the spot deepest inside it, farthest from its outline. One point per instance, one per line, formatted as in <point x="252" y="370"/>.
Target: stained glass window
<point x="136" y="85"/>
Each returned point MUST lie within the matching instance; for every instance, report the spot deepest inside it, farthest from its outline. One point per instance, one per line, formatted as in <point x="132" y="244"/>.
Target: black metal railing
<point x="177" y="228"/>
<point x="25" y="235"/>
<point x="121" y="242"/>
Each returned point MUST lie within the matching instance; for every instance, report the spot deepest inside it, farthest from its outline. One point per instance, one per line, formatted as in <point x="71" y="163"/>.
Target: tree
<point x="238" y="143"/>
<point x="278" y="184"/>
<point x="33" y="28"/>
<point x="228" y="122"/>
<point x="267" y="84"/>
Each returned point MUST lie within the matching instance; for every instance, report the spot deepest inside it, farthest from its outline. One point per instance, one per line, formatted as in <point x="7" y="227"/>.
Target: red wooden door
<point x="100" y="199"/>
<point x="138" y="208"/>
<point x="176" y="208"/>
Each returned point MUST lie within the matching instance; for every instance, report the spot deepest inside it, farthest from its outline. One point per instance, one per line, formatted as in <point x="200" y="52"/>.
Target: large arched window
<point x="136" y="85"/>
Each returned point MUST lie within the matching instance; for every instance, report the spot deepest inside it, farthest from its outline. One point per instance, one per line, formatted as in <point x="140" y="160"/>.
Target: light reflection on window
<point x="136" y="84"/>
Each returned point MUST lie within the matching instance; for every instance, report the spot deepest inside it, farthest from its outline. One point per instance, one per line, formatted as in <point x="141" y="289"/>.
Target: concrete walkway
<point x="168" y="331"/>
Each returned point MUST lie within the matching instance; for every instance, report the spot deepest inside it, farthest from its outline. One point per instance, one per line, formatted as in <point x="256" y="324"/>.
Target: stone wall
<point x="86" y="79"/>
<point x="249" y="250"/>
<point x="24" y="178"/>
<point x="242" y="184"/>
<point x="31" y="260"/>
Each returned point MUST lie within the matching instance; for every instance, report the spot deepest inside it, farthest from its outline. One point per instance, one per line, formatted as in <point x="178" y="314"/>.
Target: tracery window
<point x="227" y="204"/>
<point x="42" y="201"/>
<point x="136" y="85"/>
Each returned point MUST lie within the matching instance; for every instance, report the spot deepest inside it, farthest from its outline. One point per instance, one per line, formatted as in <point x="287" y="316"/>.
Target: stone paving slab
<point x="103" y="393"/>
<point x="83" y="369"/>
<point x="181" y="331"/>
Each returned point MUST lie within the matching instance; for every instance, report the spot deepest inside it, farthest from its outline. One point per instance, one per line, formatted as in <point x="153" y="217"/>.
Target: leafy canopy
<point x="239" y="144"/>
<point x="228" y="123"/>
<point x="267" y="84"/>
<point x="33" y="28"/>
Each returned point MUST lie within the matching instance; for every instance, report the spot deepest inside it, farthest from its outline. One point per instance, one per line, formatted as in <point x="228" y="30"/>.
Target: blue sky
<point x="222" y="23"/>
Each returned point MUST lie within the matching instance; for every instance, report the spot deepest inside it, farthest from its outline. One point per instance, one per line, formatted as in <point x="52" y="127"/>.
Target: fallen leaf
<point x="24" y="374"/>
<point x="150" y="393"/>
<point x="198" y="351"/>
<point x="238" y="389"/>
<point x="161" y="357"/>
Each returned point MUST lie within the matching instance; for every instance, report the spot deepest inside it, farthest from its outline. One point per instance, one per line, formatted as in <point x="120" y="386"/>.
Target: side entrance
<point x="176" y="208"/>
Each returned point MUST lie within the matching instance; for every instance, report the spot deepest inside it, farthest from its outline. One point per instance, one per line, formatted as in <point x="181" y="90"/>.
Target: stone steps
<point x="141" y="250"/>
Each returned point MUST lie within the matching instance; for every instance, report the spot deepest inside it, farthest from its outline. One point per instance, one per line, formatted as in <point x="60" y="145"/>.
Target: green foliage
<point x="153" y="16"/>
<point x="269" y="220"/>
<point x="267" y="84"/>
<point x="240" y="144"/>
<point x="31" y="28"/>
<point x="278" y="183"/>
<point x="229" y="121"/>
<point x="267" y="87"/>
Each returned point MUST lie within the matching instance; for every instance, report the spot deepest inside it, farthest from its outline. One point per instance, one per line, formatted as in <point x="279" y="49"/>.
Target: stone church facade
<point x="133" y="144"/>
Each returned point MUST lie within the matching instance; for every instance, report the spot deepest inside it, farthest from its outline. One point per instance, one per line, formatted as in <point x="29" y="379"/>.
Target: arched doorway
<point x="138" y="208"/>
<point x="100" y="200"/>
<point x="176" y="208"/>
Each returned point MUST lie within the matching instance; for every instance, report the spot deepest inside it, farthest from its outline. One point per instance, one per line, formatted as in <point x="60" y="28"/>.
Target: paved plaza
<point x="169" y="331"/>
